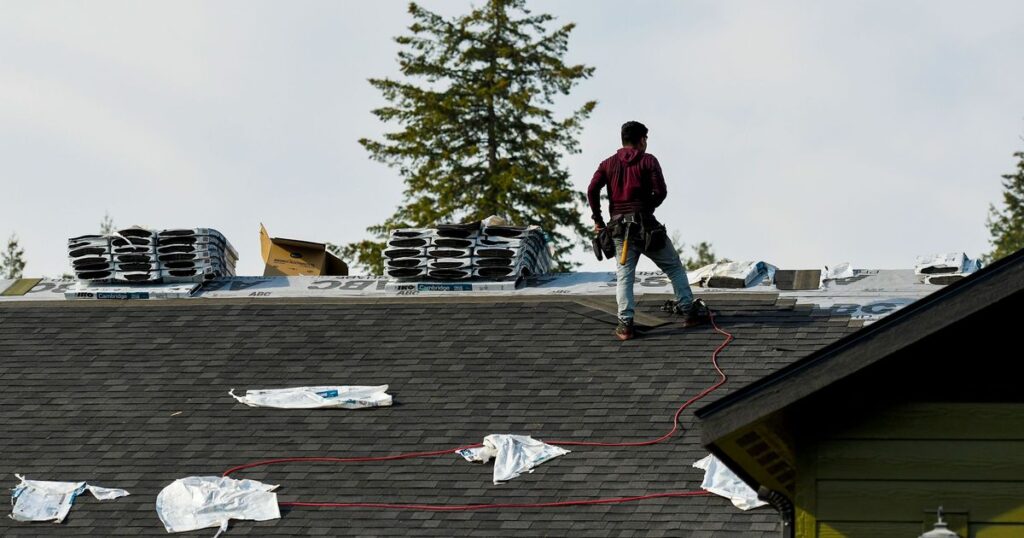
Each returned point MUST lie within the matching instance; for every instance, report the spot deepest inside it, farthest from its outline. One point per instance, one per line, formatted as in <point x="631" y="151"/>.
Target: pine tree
<point x="107" y="224"/>
<point x="12" y="260"/>
<point x="478" y="136"/>
<point x="1007" y="225"/>
<point x="703" y="255"/>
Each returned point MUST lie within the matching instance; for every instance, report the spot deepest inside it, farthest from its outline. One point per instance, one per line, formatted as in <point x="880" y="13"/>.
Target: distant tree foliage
<point x="12" y="260"/>
<point x="107" y="224"/>
<point x="478" y="135"/>
<point x="1007" y="224"/>
<point x="702" y="255"/>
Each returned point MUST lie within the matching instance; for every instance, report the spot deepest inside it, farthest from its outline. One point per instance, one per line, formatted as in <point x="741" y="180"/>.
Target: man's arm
<point x="658" y="189"/>
<point x="594" y="195"/>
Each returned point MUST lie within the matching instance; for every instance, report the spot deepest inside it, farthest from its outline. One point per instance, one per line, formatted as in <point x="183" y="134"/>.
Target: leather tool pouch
<point x="654" y="236"/>
<point x="603" y="244"/>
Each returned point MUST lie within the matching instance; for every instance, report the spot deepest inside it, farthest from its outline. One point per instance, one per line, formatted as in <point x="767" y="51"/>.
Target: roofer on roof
<point x="636" y="187"/>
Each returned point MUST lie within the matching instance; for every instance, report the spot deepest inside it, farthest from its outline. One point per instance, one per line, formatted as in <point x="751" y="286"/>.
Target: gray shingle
<point x="135" y="396"/>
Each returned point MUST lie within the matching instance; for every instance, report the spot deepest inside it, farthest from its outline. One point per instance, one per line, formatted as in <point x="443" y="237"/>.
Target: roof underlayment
<point x="869" y="294"/>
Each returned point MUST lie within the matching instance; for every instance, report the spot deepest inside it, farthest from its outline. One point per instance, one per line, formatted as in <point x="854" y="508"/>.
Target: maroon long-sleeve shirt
<point x="634" y="182"/>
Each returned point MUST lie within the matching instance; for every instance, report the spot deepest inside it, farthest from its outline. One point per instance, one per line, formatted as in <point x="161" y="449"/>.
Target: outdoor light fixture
<point x="940" y="530"/>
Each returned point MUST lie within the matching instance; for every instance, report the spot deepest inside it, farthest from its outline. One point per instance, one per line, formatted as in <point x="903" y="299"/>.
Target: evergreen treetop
<point x="478" y="135"/>
<point x="1007" y="225"/>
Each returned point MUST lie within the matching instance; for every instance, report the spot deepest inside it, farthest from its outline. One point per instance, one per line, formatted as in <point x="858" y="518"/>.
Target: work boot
<point x="625" y="329"/>
<point x="697" y="314"/>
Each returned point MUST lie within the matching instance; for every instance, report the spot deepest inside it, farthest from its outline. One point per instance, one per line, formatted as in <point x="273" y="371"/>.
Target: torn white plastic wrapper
<point x="949" y="263"/>
<point x="315" y="397"/>
<point x="738" y="274"/>
<point x="513" y="454"/>
<point x="200" y="502"/>
<point x="40" y="500"/>
<point x="838" y="271"/>
<point x="720" y="480"/>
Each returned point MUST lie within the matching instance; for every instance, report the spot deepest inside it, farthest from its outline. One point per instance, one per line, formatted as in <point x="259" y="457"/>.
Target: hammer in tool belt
<point x="628" y="221"/>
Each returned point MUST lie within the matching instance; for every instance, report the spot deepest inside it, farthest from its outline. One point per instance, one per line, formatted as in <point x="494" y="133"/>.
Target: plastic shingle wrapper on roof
<point x="953" y="262"/>
<point x="720" y="480"/>
<point x="354" y="397"/>
<point x="837" y="271"/>
<point x="200" y="502"/>
<point x="732" y="274"/>
<point x="40" y="500"/>
<point x="513" y="454"/>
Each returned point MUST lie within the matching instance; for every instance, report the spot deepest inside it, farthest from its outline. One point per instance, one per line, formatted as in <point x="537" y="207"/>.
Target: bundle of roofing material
<point x="406" y="253"/>
<point x="91" y="259"/>
<point x="453" y="253"/>
<point x="195" y="255"/>
<point x="945" y="269"/>
<point x="140" y="255"/>
<point x="798" y="279"/>
<point x="512" y="252"/>
<point x="134" y="251"/>
<point x="41" y="500"/>
<point x="465" y="251"/>
<point x="733" y="274"/>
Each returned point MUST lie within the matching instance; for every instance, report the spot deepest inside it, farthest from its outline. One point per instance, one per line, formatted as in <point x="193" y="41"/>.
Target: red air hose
<point x="469" y="507"/>
<point x="465" y="507"/>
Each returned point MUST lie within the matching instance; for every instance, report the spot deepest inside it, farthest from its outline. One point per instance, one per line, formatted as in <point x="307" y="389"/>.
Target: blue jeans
<point x="667" y="259"/>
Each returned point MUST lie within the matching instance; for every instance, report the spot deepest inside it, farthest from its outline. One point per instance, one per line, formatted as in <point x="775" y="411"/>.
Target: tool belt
<point x="643" y="230"/>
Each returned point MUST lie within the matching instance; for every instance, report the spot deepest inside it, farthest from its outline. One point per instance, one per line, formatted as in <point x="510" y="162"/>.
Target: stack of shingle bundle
<point x="464" y="251"/>
<point x="134" y="251"/>
<point x="195" y="255"/>
<point x="510" y="252"/>
<point x="139" y="255"/>
<point x="406" y="254"/>
<point x="91" y="259"/>
<point x="451" y="256"/>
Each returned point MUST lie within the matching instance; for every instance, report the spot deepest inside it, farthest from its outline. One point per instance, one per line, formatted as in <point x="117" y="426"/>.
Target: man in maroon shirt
<point x="635" y="187"/>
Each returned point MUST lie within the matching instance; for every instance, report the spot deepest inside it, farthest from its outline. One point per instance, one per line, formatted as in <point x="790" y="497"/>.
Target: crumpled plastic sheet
<point x="513" y="454"/>
<point x="751" y="273"/>
<point x="200" y="502"/>
<point x="40" y="500"/>
<point x="952" y="262"/>
<point x="720" y="480"/>
<point x="354" y="397"/>
<point x="837" y="271"/>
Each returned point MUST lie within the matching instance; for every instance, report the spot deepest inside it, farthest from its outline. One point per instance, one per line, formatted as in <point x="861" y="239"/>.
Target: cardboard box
<point x="292" y="257"/>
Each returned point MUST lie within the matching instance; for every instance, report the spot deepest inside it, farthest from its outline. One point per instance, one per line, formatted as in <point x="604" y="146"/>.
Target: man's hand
<point x="598" y="227"/>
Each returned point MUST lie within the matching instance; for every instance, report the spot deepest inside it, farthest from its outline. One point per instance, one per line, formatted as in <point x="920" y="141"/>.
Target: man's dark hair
<point x="633" y="132"/>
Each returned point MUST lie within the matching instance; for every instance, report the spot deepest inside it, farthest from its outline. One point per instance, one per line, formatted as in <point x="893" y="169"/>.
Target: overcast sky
<point x="800" y="133"/>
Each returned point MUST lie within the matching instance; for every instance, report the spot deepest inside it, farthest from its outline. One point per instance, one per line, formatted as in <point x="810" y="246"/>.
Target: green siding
<point x="874" y="530"/>
<point x="997" y="531"/>
<point x="879" y="476"/>
<point x="908" y="459"/>
<point x="907" y="500"/>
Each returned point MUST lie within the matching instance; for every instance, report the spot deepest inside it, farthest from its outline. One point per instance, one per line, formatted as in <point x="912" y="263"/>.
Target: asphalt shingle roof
<point x="134" y="395"/>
